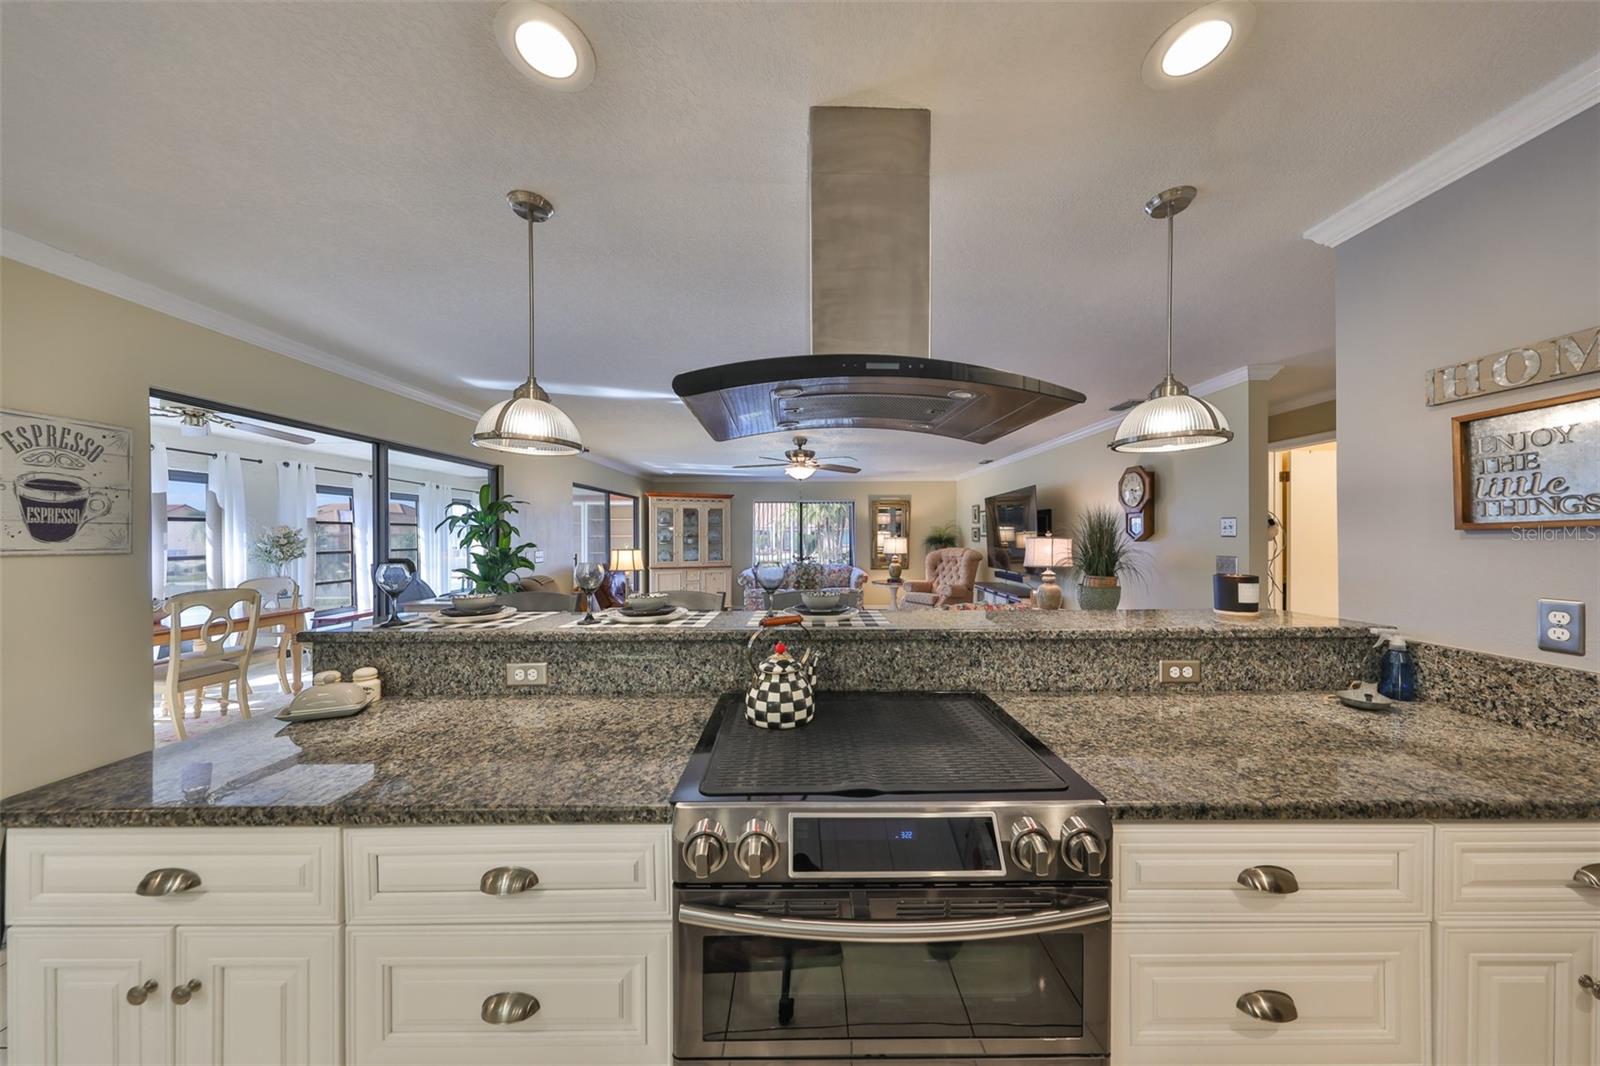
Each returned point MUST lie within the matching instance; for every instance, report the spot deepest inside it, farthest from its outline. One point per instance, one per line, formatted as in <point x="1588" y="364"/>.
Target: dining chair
<point x="222" y="615"/>
<point x="276" y="642"/>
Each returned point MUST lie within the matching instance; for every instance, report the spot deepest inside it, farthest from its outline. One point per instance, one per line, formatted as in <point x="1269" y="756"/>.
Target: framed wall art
<point x="66" y="486"/>
<point x="1528" y="466"/>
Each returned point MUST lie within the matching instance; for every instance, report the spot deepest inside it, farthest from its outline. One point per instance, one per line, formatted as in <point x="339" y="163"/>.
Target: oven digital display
<point x="890" y="845"/>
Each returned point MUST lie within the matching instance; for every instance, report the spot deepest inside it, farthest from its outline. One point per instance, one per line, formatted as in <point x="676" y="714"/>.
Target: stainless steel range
<point x="910" y="876"/>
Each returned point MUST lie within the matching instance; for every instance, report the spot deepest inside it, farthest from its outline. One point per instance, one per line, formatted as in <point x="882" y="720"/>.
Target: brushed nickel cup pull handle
<point x="184" y="993"/>
<point x="1590" y="985"/>
<point x="509" y="1008"/>
<point x="1587" y="876"/>
<point x="167" y="881"/>
<point x="139" y="993"/>
<point x="507" y="881"/>
<point x="1273" y="880"/>
<point x="1269" y="1005"/>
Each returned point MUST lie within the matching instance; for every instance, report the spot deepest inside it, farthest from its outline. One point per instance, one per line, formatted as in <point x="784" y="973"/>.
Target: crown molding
<point x="1543" y="109"/>
<point x="1294" y="403"/>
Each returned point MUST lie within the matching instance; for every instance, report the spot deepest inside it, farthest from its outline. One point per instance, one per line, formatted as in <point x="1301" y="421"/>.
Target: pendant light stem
<point x="1169" y="295"/>
<point x="530" y="304"/>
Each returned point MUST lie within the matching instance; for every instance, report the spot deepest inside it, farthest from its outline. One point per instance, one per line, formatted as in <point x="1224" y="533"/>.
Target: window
<point x="459" y="557"/>
<point x="334" y="571"/>
<point x="186" y="532"/>
<point x="403" y="543"/>
<point x="820" y="531"/>
<point x="602" y="521"/>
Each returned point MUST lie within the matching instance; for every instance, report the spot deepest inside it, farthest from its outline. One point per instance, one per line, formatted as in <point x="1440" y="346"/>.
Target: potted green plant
<point x="1101" y="554"/>
<point x="945" y="536"/>
<point x="278" y="547"/>
<point x="487" y="534"/>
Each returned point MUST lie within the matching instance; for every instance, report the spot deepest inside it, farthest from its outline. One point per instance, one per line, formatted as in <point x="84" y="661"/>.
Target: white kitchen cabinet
<point x="69" y="991"/>
<point x="689" y="543"/>
<point x="1510" y="996"/>
<point x="266" y="996"/>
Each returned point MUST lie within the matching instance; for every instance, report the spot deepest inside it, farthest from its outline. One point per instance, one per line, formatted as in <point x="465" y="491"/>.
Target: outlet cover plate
<point x="1180" y="671"/>
<point x="524" y="675"/>
<point x="1561" y="626"/>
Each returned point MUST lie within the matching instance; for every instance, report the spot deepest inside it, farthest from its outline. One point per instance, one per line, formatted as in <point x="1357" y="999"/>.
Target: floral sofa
<point x="834" y="576"/>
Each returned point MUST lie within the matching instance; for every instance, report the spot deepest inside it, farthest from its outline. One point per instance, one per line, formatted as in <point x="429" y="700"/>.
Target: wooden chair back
<point x="223" y="615"/>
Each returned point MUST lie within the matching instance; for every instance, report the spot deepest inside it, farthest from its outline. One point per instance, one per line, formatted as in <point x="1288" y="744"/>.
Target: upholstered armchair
<point x="951" y="575"/>
<point x="835" y="576"/>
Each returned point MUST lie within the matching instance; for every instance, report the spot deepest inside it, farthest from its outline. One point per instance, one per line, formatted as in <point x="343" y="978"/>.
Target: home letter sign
<point x="1556" y="359"/>
<point x="65" y="486"/>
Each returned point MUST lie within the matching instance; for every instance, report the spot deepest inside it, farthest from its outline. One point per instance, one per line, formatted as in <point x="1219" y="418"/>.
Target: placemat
<point x="426" y="622"/>
<point x="692" y="620"/>
<point x="863" y="618"/>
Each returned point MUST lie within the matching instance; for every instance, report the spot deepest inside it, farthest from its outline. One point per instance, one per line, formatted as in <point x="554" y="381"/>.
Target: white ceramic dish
<point x="673" y="615"/>
<point x="338" y="700"/>
<point x="1364" y="696"/>
<point x="820" y="601"/>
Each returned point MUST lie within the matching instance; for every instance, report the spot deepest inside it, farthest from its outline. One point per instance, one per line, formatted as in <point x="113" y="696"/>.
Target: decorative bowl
<point x="470" y="602"/>
<point x="640" y="603"/>
<point x="820" y="601"/>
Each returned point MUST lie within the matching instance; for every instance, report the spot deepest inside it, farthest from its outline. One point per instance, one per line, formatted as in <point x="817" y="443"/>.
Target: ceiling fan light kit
<point x="528" y="423"/>
<point x="1171" y="420"/>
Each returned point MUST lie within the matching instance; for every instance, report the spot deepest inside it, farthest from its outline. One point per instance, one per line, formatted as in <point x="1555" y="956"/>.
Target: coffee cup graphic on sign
<point x="55" y="506"/>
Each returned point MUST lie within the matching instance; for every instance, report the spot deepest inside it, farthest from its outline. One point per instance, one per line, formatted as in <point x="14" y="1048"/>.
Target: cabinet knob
<point x="167" y="881"/>
<point x="1269" y="1005"/>
<point x="139" y="993"/>
<point x="509" y="1008"/>
<point x="1273" y="880"/>
<point x="507" y="881"/>
<point x="1590" y="985"/>
<point x="184" y="993"/>
<point x="1587" y="876"/>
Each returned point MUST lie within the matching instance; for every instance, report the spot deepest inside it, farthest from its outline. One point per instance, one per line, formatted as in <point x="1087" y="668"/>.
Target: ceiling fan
<point x="801" y="462"/>
<point x="197" y="422"/>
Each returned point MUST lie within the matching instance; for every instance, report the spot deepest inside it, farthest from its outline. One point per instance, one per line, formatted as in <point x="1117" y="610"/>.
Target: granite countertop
<point x="590" y="759"/>
<point x="904" y="624"/>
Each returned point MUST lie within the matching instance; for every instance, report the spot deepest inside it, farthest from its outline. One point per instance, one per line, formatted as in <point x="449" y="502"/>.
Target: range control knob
<point x="757" y="851"/>
<point x="1082" y="849"/>
<point x="1030" y="847"/>
<point x="706" y="848"/>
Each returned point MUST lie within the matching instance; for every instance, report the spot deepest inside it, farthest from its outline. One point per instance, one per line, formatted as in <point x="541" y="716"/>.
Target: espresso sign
<point x="1569" y="356"/>
<point x="65" y="486"/>
<point x="1531" y="466"/>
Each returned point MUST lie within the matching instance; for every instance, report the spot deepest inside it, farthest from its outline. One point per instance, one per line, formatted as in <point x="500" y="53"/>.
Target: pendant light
<point x="1171" y="420"/>
<point x="528" y="423"/>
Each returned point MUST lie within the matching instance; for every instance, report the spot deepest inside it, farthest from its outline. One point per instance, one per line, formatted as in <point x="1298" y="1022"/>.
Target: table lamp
<point x="1046" y="553"/>
<point x="894" y="548"/>
<point x="628" y="561"/>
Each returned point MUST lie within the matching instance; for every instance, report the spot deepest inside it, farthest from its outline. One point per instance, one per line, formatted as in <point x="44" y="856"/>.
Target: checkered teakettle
<point x="781" y="695"/>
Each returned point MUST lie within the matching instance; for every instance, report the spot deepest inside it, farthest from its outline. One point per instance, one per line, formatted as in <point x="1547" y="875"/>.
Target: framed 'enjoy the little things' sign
<point x="66" y="486"/>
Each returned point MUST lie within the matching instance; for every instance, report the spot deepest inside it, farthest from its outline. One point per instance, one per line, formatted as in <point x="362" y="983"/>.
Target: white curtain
<point x="297" y="507"/>
<point x="227" y="532"/>
<point x="433" y="505"/>
<point x="158" y="521"/>
<point x="361" y="557"/>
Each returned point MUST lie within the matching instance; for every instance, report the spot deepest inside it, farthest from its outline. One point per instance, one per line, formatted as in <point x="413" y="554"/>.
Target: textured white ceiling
<point x="335" y="172"/>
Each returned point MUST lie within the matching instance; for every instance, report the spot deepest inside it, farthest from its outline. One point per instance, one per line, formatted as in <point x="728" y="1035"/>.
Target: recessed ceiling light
<point x="1196" y="43"/>
<point x="544" y="45"/>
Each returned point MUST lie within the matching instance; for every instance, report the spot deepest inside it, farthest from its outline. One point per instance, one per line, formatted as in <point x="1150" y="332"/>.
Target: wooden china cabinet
<point x="689" y="543"/>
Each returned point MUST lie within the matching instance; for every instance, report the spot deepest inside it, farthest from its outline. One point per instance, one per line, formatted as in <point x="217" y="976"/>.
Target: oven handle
<point x="1053" y="920"/>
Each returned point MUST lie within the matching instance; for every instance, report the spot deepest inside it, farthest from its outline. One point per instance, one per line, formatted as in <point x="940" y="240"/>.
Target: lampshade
<point x="627" y="559"/>
<point x="1171" y="420"/>
<point x="799" y="473"/>
<point x="895" y="546"/>
<point x="528" y="425"/>
<point x="1043" y="552"/>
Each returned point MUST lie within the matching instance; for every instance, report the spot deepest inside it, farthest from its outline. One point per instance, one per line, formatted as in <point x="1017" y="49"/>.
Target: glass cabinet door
<point x="714" y="523"/>
<point x="691" y="534"/>
<point x="666" y="518"/>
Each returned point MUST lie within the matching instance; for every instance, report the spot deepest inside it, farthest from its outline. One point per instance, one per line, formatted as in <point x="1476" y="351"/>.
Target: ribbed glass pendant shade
<point x="527" y="424"/>
<point x="1171" y="421"/>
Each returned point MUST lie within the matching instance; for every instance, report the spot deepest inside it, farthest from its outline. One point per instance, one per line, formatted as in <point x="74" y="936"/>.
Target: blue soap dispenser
<point x="1397" y="678"/>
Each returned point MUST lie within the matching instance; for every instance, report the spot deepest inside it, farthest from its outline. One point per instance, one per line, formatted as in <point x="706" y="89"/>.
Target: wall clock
<point x="1137" y="491"/>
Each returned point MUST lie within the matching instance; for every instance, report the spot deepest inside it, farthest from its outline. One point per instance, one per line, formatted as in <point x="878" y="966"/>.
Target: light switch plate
<point x="1180" y="671"/>
<point x="1561" y="626"/>
<point x="1230" y="527"/>
<point x="522" y="675"/>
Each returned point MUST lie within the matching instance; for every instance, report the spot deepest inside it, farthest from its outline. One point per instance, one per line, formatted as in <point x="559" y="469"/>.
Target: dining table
<point x="292" y="619"/>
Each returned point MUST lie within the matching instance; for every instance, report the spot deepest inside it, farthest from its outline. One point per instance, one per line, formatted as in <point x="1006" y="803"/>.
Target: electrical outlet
<point x="1230" y="527"/>
<point x="1561" y="626"/>
<point x="1180" y="671"/>
<point x="522" y="675"/>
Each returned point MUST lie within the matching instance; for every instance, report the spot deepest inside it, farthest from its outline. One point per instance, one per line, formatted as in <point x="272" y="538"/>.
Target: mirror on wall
<point x="891" y="517"/>
<point x="1012" y="516"/>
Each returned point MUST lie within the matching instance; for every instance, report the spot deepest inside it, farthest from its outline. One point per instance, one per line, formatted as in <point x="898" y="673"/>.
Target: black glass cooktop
<point x="871" y="744"/>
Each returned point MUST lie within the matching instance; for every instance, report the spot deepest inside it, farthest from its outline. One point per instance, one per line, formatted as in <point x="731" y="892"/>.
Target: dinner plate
<point x="673" y="615"/>
<point x="471" y="612"/>
<point x="445" y="618"/>
<point x="665" y="608"/>
<point x="832" y="612"/>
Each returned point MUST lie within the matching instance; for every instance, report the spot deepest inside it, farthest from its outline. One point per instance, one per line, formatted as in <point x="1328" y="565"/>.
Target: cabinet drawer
<point x="1360" y="992"/>
<point x="434" y="874"/>
<point x="1524" y="869"/>
<point x="247" y="875"/>
<point x="1360" y="873"/>
<point x="418" y="993"/>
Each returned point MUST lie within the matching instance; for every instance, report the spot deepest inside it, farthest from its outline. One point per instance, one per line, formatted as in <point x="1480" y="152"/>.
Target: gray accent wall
<point x="1509" y="254"/>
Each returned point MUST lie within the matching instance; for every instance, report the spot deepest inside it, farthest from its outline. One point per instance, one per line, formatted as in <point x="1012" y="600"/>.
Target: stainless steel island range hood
<point x="870" y="255"/>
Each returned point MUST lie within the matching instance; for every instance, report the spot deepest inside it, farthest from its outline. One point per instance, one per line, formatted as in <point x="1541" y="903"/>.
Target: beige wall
<point x="932" y="504"/>
<point x="1507" y="255"/>
<point x="546" y="484"/>
<point x="75" y="683"/>
<point x="1303" y="421"/>
<point x="1193" y="491"/>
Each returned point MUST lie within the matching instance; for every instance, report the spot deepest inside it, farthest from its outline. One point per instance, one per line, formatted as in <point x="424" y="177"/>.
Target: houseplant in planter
<point x="1101" y="554"/>
<point x="487" y="534"/>
<point x="945" y="536"/>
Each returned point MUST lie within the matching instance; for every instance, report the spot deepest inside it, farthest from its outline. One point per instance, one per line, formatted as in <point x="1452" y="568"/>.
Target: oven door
<point x="854" y="972"/>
